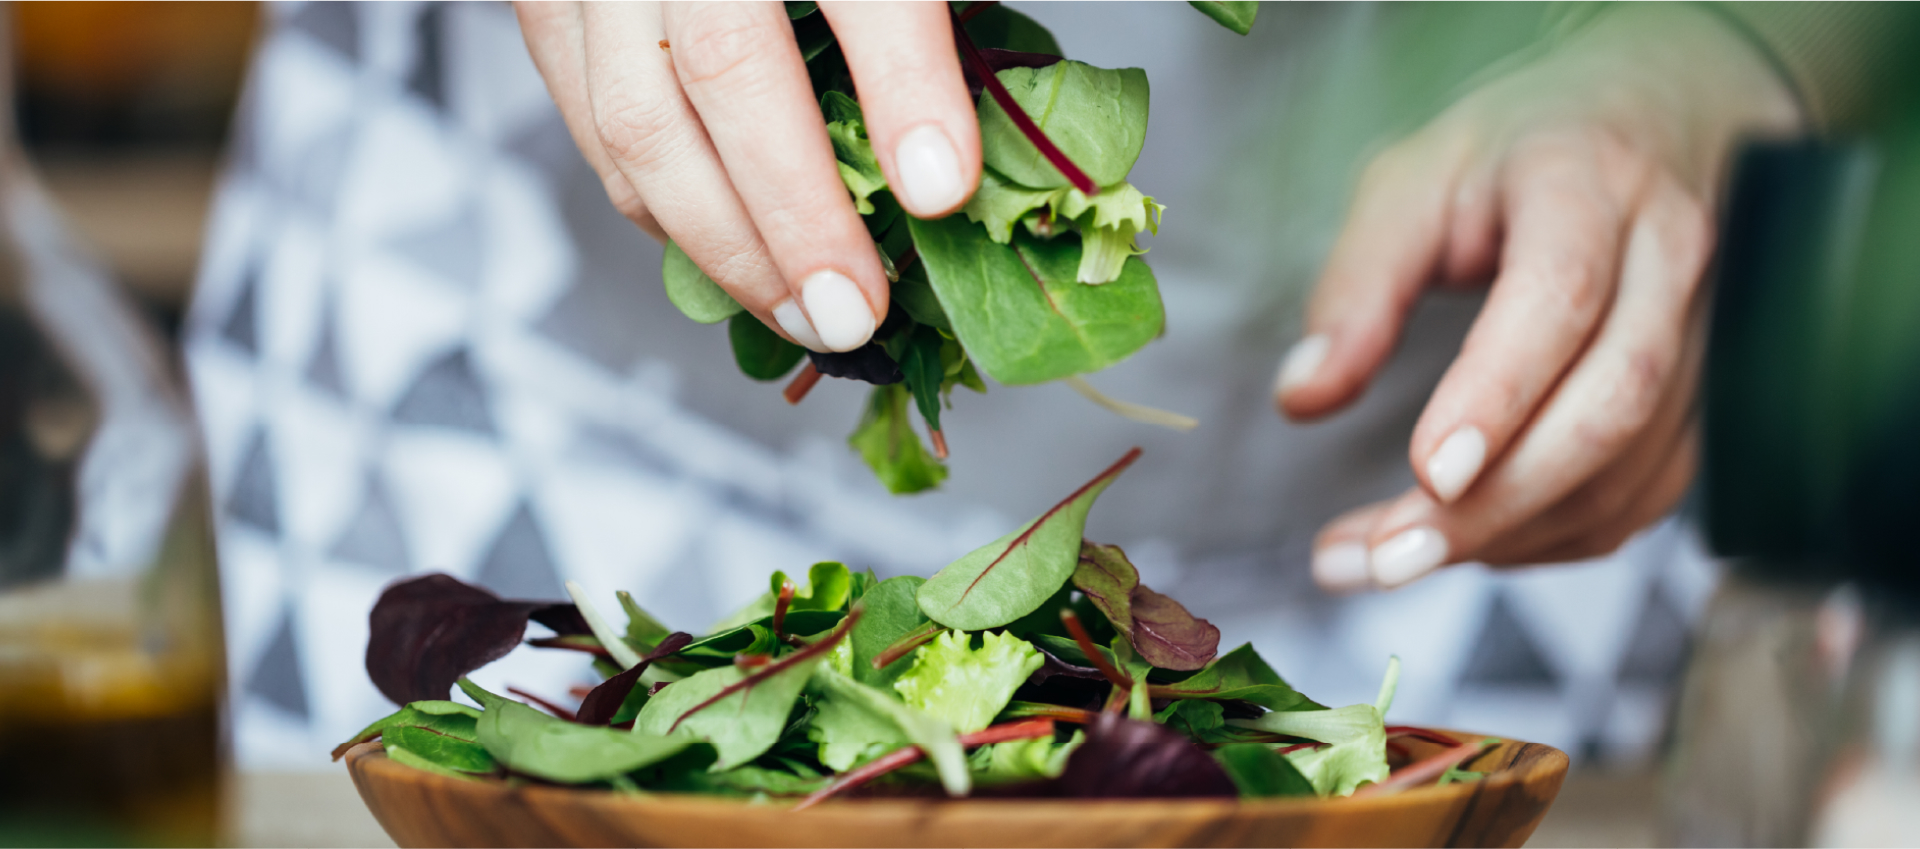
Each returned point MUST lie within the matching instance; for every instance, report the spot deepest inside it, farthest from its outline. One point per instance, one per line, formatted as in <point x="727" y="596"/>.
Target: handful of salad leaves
<point x="1035" y="280"/>
<point x="1037" y="665"/>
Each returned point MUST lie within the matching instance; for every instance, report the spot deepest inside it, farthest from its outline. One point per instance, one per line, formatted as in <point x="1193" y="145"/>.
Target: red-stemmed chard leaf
<point x="971" y="58"/>
<point x="1132" y="759"/>
<point x="820" y="647"/>
<point x="1015" y="574"/>
<point x="602" y="702"/>
<point x="1160" y="629"/>
<point x="426" y="632"/>
<point x="1022" y="730"/>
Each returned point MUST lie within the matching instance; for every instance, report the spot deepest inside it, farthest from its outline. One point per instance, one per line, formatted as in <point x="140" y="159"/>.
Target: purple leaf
<point x="1161" y="629"/>
<point x="603" y="701"/>
<point x="1131" y="759"/>
<point x="426" y="632"/>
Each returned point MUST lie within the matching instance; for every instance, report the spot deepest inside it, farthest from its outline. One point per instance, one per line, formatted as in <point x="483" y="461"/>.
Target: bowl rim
<point x="370" y="757"/>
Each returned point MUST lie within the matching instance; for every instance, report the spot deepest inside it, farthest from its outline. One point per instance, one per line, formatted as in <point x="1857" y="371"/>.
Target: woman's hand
<point x="701" y="122"/>
<point x="1583" y="184"/>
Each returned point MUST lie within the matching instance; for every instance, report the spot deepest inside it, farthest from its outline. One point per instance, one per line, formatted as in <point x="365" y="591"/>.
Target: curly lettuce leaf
<point x="1357" y="745"/>
<point x="965" y="686"/>
<point x="856" y="722"/>
<point x="1033" y="759"/>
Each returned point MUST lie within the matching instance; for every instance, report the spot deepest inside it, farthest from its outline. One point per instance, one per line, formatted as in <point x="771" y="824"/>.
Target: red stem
<point x="1298" y="746"/>
<point x="780" y="606"/>
<point x="560" y="643"/>
<point x="552" y="708"/>
<point x="1416" y="733"/>
<point x="1421" y="772"/>
<point x="776" y="667"/>
<point x="939" y="443"/>
<point x="905" y="645"/>
<point x="1058" y="713"/>
<point x="1093" y="654"/>
<point x="971" y="55"/>
<point x="1024" y="729"/>
<point x="802" y="383"/>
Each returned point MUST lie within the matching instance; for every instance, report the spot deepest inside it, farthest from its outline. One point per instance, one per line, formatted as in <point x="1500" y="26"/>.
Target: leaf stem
<point x="1428" y="735"/>
<point x="939" y="443"/>
<point x="971" y="55"/>
<point x="1059" y="713"/>
<point x="905" y="645"/>
<point x="1423" y="771"/>
<point x="1099" y="661"/>
<point x="801" y="384"/>
<point x="1022" y="730"/>
<point x="551" y="708"/>
<point x="780" y="605"/>
<point x="563" y="643"/>
<point x="776" y="667"/>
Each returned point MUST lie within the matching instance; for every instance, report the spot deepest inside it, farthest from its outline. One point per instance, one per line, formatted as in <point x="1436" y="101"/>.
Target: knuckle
<point x="719" y="45"/>
<point x="639" y="132"/>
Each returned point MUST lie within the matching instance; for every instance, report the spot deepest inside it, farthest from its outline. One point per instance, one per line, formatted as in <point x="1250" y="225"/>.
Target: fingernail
<point x="1341" y="567"/>
<point x="929" y="170"/>
<point x="1407" y="555"/>
<point x="1302" y="360"/>
<point x="1456" y="462"/>
<point x="794" y="321"/>
<point x="840" y="314"/>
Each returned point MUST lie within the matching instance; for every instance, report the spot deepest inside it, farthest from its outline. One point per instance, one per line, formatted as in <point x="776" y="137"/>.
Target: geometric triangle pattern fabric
<point x="254" y="500"/>
<point x="428" y="78"/>
<point x="1505" y="654"/>
<point x="1658" y="651"/>
<point x="278" y="676"/>
<point x="323" y="371"/>
<point x="447" y="394"/>
<point x="332" y="23"/>
<point x="453" y="249"/>
<point x="374" y="537"/>
<point x="519" y="564"/>
<point x="242" y="326"/>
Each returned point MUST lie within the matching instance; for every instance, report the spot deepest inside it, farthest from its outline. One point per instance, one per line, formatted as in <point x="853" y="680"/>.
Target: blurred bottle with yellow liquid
<point x="111" y="661"/>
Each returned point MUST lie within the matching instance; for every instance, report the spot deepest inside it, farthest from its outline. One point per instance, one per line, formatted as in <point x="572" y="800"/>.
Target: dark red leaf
<point x="426" y="632"/>
<point x="1131" y="759"/>
<point x="1169" y="637"/>
<point x="604" y="701"/>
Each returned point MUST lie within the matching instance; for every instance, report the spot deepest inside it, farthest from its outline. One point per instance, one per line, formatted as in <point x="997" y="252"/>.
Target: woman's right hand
<point x="702" y="124"/>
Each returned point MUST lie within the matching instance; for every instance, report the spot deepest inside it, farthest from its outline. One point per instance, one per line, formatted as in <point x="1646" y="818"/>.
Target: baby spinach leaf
<point x="934" y="736"/>
<point x="915" y="295"/>
<point x="450" y="718"/>
<point x="693" y="291"/>
<point x="1003" y="28"/>
<point x="827" y="587"/>
<point x="1238" y="674"/>
<point x="1236" y="15"/>
<point x="1126" y="759"/>
<point x="1196" y="718"/>
<point x="402" y="756"/>
<point x="443" y="749"/>
<point x="746" y="780"/>
<point x="967" y="687"/>
<point x="741" y="726"/>
<point x="1357" y="750"/>
<point x="798" y="10"/>
<point x="1019" y="311"/>
<point x="760" y="352"/>
<point x="426" y="632"/>
<point x="1096" y="116"/>
<point x="755" y="637"/>
<point x="1013" y="575"/>
<point x="534" y="743"/>
<point x="892" y="612"/>
<point x="885" y="439"/>
<point x="917" y="350"/>
<point x="617" y="699"/>
<point x="1260" y="772"/>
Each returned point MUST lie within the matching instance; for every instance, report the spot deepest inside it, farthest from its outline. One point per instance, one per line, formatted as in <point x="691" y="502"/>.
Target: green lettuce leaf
<point x="967" y="687"/>
<point x="859" y="167"/>
<point x="1021" y="313"/>
<point x="1357" y="750"/>
<point x="886" y="440"/>
<point x="740" y="726"/>
<point x="1015" y="761"/>
<point x="1106" y="222"/>
<point x="1013" y="575"/>
<point x="759" y="352"/>
<point x="1096" y="116"/>
<point x="693" y="291"/>
<point x="859" y="727"/>
<point x="643" y="631"/>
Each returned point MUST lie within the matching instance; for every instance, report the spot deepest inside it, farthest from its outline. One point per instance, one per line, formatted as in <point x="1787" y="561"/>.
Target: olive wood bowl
<point x="419" y="808"/>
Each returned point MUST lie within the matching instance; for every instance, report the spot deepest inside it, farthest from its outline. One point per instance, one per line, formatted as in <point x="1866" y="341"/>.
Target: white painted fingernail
<point x="929" y="170"/>
<point x="1456" y="462"/>
<point x="1302" y="360"/>
<point x="1407" y="555"/>
<point x="1341" y="567"/>
<point x="795" y="323"/>
<point x="840" y="313"/>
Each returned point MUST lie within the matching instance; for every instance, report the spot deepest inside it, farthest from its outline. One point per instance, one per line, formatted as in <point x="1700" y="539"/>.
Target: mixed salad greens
<point x="1035" y="280"/>
<point x="1037" y="665"/>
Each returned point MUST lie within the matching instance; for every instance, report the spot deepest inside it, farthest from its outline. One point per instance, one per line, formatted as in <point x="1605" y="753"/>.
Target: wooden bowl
<point x="419" y="808"/>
